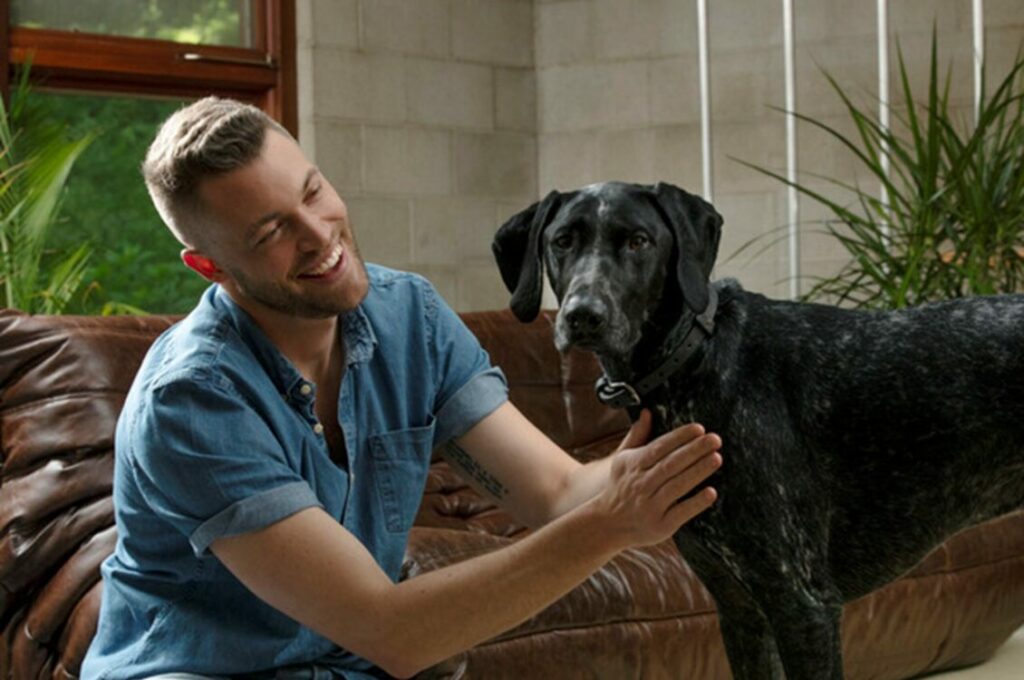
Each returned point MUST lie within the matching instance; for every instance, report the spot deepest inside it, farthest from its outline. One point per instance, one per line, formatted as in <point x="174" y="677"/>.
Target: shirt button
<point x="305" y="389"/>
<point x="318" y="428"/>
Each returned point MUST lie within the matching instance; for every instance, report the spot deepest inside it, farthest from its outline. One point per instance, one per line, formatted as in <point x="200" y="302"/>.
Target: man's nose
<point x="314" y="232"/>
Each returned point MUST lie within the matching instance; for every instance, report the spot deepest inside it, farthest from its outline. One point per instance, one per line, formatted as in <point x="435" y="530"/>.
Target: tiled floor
<point x="1007" y="664"/>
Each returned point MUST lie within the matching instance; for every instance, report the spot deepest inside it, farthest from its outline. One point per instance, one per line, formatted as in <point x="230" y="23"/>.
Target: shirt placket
<point x="347" y="418"/>
<point x="303" y="398"/>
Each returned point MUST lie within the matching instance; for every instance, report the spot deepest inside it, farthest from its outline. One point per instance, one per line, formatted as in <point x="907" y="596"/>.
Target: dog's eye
<point x="638" y="241"/>
<point x="564" y="241"/>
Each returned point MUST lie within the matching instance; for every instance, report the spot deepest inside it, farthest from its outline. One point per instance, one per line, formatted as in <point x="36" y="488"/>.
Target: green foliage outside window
<point x="135" y="259"/>
<point x="212" y="22"/>
<point x="35" y="160"/>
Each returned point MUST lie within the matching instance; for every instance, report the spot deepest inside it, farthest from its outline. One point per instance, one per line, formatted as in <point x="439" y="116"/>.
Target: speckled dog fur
<point x="854" y="442"/>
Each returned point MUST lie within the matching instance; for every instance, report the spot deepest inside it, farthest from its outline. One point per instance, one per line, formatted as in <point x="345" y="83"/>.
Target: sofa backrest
<point x="63" y="380"/>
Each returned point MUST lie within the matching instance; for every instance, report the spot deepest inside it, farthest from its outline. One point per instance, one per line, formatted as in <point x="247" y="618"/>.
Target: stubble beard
<point x="336" y="300"/>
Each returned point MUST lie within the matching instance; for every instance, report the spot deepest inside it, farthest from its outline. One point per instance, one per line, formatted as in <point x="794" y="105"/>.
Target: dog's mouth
<point x="612" y="339"/>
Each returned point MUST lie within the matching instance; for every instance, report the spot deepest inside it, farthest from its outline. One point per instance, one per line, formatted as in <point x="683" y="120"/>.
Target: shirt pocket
<point x="401" y="459"/>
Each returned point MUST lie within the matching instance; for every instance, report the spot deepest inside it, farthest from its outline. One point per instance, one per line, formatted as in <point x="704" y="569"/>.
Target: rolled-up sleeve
<point x="469" y="388"/>
<point x="475" y="400"/>
<point x="211" y="466"/>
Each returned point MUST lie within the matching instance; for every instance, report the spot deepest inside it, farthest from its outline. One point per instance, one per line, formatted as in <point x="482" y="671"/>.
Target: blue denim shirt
<point x="218" y="437"/>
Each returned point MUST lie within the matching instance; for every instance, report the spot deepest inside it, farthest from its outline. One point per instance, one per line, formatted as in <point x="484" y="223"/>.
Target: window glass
<point x="211" y="22"/>
<point x="135" y="258"/>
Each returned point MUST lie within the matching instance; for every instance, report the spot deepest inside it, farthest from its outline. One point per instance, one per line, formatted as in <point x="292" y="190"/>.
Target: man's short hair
<point x="207" y="138"/>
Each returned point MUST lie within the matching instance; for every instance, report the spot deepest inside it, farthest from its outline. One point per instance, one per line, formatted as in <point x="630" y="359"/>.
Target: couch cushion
<point x="62" y="383"/>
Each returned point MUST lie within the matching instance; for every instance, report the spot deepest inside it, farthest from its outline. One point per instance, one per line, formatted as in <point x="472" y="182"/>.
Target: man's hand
<point x="646" y="482"/>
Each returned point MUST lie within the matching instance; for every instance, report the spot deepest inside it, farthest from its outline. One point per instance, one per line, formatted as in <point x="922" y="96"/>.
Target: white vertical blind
<point x="705" y="98"/>
<point x="793" y="197"/>
<point x="978" y="21"/>
<point x="883" y="98"/>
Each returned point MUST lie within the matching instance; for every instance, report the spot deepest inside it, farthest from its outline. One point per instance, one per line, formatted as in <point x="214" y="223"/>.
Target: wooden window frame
<point x="68" y="60"/>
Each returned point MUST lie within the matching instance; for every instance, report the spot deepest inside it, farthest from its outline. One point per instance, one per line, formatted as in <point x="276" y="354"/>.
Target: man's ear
<point x="517" y="250"/>
<point x="202" y="265"/>
<point x="697" y="228"/>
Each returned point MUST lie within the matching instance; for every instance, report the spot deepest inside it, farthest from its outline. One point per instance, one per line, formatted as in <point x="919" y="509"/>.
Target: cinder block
<point x="739" y="24"/>
<point x="493" y="31"/>
<point x="340" y="155"/>
<point x="567" y="160"/>
<point x="477" y="222"/>
<point x="450" y="94"/>
<point x="481" y="288"/>
<point x="677" y="156"/>
<point x="626" y="156"/>
<point x="674" y="90"/>
<point x="450" y="229"/>
<point x="999" y="15"/>
<point x="745" y="83"/>
<point x="499" y="165"/>
<point x="565" y="33"/>
<point x="907" y="16"/>
<point x="382" y="229"/>
<point x="590" y="96"/>
<point x="756" y="142"/>
<point x="515" y="100"/>
<point x="751" y="231"/>
<point x="420" y="27"/>
<point x="407" y="161"/>
<point x="825" y="22"/>
<point x="357" y="86"/>
<point x="644" y="28"/>
<point x="335" y="23"/>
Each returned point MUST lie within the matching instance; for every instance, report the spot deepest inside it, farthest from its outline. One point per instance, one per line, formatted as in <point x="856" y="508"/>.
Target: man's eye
<point x="638" y="241"/>
<point x="268" y="235"/>
<point x="314" y="191"/>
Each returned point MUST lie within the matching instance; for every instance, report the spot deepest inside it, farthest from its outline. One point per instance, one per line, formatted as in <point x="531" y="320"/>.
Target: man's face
<point x="283" y="242"/>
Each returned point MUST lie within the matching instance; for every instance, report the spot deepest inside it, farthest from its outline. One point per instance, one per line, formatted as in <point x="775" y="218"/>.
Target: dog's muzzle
<point x="588" y="321"/>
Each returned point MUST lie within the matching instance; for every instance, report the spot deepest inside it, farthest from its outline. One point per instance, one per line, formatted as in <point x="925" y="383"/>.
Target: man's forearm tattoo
<point x="456" y="456"/>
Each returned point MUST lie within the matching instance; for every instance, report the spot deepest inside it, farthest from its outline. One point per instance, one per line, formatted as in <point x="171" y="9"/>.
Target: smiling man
<point x="272" y="452"/>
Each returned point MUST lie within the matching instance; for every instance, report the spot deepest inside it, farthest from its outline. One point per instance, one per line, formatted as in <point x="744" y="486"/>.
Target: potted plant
<point x="953" y="220"/>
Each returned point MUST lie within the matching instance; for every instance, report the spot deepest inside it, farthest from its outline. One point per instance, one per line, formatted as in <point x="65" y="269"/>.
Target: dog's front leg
<point x="807" y="633"/>
<point x="749" y="642"/>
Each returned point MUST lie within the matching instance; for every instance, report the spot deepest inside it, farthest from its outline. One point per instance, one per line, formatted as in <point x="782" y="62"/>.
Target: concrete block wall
<point x="618" y="96"/>
<point x="438" y="119"/>
<point x="422" y="113"/>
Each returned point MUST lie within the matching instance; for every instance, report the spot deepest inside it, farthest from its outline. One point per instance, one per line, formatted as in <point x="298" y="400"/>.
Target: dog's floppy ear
<point x="697" y="228"/>
<point x="517" y="249"/>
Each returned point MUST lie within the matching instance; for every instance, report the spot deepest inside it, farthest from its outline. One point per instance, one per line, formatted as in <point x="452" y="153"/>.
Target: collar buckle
<point x="624" y="395"/>
<point x="616" y="394"/>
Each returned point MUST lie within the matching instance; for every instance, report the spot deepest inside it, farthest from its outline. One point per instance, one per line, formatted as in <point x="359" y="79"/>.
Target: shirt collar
<point x="356" y="332"/>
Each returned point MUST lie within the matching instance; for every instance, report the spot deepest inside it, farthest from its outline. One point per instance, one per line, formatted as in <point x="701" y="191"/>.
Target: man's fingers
<point x="687" y="455"/>
<point x="639" y="432"/>
<point x="669" y="442"/>
<point x="682" y="512"/>
<point x="684" y="482"/>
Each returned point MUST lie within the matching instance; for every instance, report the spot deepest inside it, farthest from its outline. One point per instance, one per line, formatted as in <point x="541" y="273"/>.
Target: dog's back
<point x="910" y="422"/>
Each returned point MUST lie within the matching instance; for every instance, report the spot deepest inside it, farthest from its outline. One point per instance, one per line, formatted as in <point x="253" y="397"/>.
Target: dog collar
<point x="620" y="394"/>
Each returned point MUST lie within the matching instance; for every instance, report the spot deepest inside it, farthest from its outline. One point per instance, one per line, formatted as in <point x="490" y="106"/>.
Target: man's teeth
<point x="328" y="263"/>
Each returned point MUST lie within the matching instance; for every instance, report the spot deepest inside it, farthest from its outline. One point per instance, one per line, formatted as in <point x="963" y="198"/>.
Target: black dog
<point x="854" y="441"/>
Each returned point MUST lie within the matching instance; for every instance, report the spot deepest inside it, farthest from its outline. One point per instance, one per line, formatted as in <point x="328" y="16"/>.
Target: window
<point x="117" y="68"/>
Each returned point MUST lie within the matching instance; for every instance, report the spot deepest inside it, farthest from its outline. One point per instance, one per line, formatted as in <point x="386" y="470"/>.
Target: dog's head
<point x="614" y="253"/>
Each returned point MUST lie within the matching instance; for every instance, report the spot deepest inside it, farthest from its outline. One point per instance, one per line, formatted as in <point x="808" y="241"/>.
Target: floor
<point x="1007" y="664"/>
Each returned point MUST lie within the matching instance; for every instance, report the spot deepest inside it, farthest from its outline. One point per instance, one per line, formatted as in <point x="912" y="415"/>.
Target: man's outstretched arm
<point x="312" y="569"/>
<point x="506" y="458"/>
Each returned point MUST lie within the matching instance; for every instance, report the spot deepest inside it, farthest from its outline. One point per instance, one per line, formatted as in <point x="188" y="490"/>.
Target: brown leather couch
<point x="644" y="615"/>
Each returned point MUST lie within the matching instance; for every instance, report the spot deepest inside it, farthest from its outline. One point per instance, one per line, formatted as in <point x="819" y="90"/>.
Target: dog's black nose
<point x="586" y="316"/>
